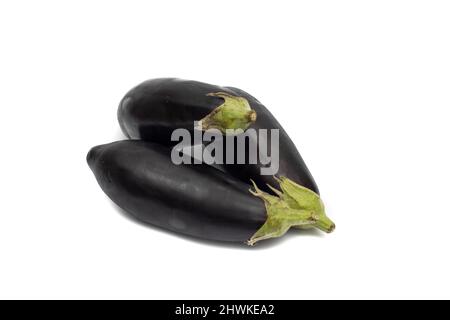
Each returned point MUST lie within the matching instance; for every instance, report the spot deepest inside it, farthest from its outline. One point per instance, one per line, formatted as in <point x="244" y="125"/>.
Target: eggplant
<point x="152" y="110"/>
<point x="199" y="200"/>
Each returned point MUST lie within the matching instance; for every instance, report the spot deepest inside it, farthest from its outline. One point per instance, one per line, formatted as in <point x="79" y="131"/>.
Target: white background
<point x="362" y="87"/>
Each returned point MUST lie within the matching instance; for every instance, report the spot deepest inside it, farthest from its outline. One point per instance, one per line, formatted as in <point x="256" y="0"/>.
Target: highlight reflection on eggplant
<point x="154" y="109"/>
<point x="199" y="200"/>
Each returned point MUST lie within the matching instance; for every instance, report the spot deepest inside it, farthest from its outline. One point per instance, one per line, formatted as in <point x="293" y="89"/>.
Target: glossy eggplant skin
<point x="195" y="200"/>
<point x="153" y="109"/>
<point x="291" y="163"/>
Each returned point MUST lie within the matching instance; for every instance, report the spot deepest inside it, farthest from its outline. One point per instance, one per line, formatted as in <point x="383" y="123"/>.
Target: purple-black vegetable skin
<point x="154" y="109"/>
<point x="198" y="200"/>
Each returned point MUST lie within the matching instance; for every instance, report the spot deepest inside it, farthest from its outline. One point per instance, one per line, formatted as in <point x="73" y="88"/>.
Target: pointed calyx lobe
<point x="234" y="113"/>
<point x="293" y="206"/>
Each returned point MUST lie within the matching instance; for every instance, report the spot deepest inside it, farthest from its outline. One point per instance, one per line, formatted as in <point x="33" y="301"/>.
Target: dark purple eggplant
<point x="199" y="200"/>
<point x="154" y="109"/>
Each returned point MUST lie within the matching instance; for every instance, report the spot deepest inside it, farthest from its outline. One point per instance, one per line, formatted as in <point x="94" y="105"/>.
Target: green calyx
<point x="293" y="206"/>
<point x="235" y="113"/>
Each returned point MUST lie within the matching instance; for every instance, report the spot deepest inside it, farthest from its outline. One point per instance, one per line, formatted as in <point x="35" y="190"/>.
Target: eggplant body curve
<point x="154" y="109"/>
<point x="195" y="200"/>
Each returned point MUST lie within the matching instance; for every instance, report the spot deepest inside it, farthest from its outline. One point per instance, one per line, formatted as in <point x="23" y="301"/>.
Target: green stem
<point x="235" y="113"/>
<point x="293" y="206"/>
